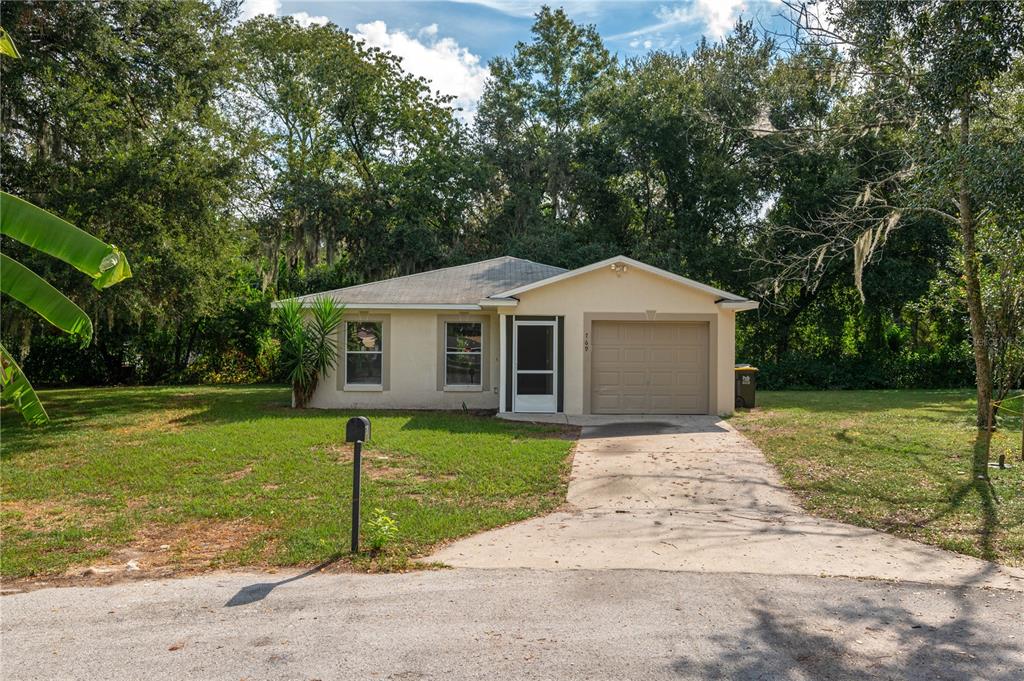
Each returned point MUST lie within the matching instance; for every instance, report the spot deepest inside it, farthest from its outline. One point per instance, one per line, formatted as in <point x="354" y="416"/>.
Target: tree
<point x="685" y="172"/>
<point x="926" y="71"/>
<point x="346" y="155"/>
<point x="528" y="126"/>
<point x="112" y="124"/>
<point x="47" y="233"/>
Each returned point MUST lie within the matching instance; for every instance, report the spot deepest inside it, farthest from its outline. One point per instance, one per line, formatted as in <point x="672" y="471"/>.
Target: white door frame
<point x="535" y="404"/>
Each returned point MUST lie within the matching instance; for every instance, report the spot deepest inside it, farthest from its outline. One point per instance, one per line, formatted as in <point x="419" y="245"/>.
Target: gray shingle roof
<point x="459" y="285"/>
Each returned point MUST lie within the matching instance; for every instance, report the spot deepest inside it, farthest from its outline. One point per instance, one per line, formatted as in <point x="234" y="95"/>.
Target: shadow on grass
<point x="958" y="494"/>
<point x="107" y="408"/>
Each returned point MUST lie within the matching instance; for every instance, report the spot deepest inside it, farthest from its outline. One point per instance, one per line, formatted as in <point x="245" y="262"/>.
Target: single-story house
<point x="615" y="337"/>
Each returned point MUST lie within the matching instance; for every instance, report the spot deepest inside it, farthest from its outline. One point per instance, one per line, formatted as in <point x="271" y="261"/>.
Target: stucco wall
<point x="411" y="355"/>
<point x="635" y="294"/>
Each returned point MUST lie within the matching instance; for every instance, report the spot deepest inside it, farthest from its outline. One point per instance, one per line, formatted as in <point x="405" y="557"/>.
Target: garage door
<point x="649" y="368"/>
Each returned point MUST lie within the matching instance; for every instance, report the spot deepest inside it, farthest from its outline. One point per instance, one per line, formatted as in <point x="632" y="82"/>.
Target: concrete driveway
<point x="692" y="494"/>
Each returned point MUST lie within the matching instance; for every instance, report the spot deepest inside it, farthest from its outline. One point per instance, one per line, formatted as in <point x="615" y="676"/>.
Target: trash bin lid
<point x="746" y="368"/>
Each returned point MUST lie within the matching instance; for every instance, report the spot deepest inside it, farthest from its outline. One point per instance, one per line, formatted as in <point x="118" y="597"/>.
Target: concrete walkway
<point x="692" y="494"/>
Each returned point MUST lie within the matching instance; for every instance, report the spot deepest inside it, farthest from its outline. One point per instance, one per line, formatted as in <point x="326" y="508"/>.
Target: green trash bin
<point x="746" y="386"/>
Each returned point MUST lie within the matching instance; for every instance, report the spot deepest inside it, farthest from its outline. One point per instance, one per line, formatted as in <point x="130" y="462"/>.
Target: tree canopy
<point x="824" y="172"/>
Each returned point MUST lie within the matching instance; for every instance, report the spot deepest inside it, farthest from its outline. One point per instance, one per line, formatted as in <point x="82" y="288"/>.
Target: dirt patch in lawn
<point x="162" y="550"/>
<point x="235" y="476"/>
<point x="194" y="544"/>
<point x="46" y="515"/>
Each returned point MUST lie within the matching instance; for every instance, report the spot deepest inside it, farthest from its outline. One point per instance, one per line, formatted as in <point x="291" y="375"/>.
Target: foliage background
<point x="239" y="163"/>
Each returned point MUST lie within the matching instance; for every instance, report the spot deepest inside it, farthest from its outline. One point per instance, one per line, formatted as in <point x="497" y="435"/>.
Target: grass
<point x="898" y="461"/>
<point x="200" y="477"/>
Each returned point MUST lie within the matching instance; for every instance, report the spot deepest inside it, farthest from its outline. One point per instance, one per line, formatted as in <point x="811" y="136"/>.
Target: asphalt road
<point x="514" y="624"/>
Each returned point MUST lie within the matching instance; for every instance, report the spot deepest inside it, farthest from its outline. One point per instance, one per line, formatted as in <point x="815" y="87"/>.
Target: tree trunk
<point x="983" y="369"/>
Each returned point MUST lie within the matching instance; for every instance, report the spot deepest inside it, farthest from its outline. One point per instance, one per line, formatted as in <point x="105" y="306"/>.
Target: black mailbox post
<point x="357" y="430"/>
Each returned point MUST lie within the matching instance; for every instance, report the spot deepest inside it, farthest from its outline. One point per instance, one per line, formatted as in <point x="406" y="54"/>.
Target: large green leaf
<point x="46" y="232"/>
<point x="7" y="45"/>
<point x="28" y="288"/>
<point x="17" y="391"/>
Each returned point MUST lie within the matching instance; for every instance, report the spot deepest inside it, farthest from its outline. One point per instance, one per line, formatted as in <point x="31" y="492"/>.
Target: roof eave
<point x="738" y="305"/>
<point x="389" y="306"/>
<point x="650" y="269"/>
<point x="499" y="302"/>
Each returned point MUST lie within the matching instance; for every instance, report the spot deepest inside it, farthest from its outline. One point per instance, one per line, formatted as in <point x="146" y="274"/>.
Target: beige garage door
<point x="649" y="368"/>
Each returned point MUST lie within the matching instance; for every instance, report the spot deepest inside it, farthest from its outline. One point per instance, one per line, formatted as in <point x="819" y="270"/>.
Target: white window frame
<point x="379" y="351"/>
<point x="479" y="352"/>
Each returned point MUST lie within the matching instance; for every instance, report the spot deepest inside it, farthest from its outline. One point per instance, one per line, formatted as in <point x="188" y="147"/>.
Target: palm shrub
<point x="308" y="346"/>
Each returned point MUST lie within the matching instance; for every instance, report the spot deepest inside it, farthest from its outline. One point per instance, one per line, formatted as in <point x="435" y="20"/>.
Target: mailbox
<point x="357" y="429"/>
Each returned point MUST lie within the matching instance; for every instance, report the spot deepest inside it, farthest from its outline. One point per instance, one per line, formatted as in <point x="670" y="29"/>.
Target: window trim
<point x="385" y="352"/>
<point x="448" y="353"/>
<point x="442" y="353"/>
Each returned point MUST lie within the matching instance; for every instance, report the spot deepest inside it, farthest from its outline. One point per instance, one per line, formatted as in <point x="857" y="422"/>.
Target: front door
<point x="536" y="366"/>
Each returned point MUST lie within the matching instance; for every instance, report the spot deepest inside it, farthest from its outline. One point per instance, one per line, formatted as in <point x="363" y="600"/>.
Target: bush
<point x="803" y="372"/>
<point x="381" y="530"/>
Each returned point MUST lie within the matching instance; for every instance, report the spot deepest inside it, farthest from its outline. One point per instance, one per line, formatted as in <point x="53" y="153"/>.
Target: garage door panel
<point x="633" y="379"/>
<point x="604" y="333"/>
<point x="661" y="379"/>
<point x="667" y="356"/>
<point x="605" y="355"/>
<point x="609" y="379"/>
<point x="634" y="355"/>
<point x="667" y="334"/>
<point x="633" y="403"/>
<point x="634" y="334"/>
<point x="649" y="368"/>
<point x="606" y="404"/>
<point x="664" y="403"/>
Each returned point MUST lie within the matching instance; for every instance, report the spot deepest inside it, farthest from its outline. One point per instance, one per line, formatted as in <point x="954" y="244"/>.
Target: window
<point x="364" y="354"/>
<point x="463" y="353"/>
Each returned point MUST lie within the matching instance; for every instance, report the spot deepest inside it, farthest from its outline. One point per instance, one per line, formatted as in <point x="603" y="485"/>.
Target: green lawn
<point x="194" y="477"/>
<point x="898" y="461"/>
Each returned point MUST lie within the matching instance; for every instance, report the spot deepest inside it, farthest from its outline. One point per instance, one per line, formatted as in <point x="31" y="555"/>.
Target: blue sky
<point x="450" y="43"/>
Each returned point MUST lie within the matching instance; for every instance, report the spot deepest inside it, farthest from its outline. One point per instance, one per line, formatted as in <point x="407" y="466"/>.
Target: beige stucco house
<point x="615" y="337"/>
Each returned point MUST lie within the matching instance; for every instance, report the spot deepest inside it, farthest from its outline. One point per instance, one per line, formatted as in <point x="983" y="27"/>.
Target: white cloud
<point x="716" y="16"/>
<point x="452" y="69"/>
<point x="529" y="8"/>
<point x="305" y="19"/>
<point x="254" y="8"/>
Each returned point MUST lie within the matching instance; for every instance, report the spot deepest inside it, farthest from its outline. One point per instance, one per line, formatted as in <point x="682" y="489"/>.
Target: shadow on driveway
<point x="257" y="592"/>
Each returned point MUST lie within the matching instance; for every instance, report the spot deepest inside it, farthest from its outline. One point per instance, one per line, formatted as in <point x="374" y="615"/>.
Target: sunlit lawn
<point x="197" y="477"/>
<point x="899" y="461"/>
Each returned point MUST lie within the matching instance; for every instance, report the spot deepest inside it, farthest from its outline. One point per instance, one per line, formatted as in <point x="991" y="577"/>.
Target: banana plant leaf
<point x="7" y="45"/>
<point x="44" y="231"/>
<point x="31" y="290"/>
<point x="17" y="391"/>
